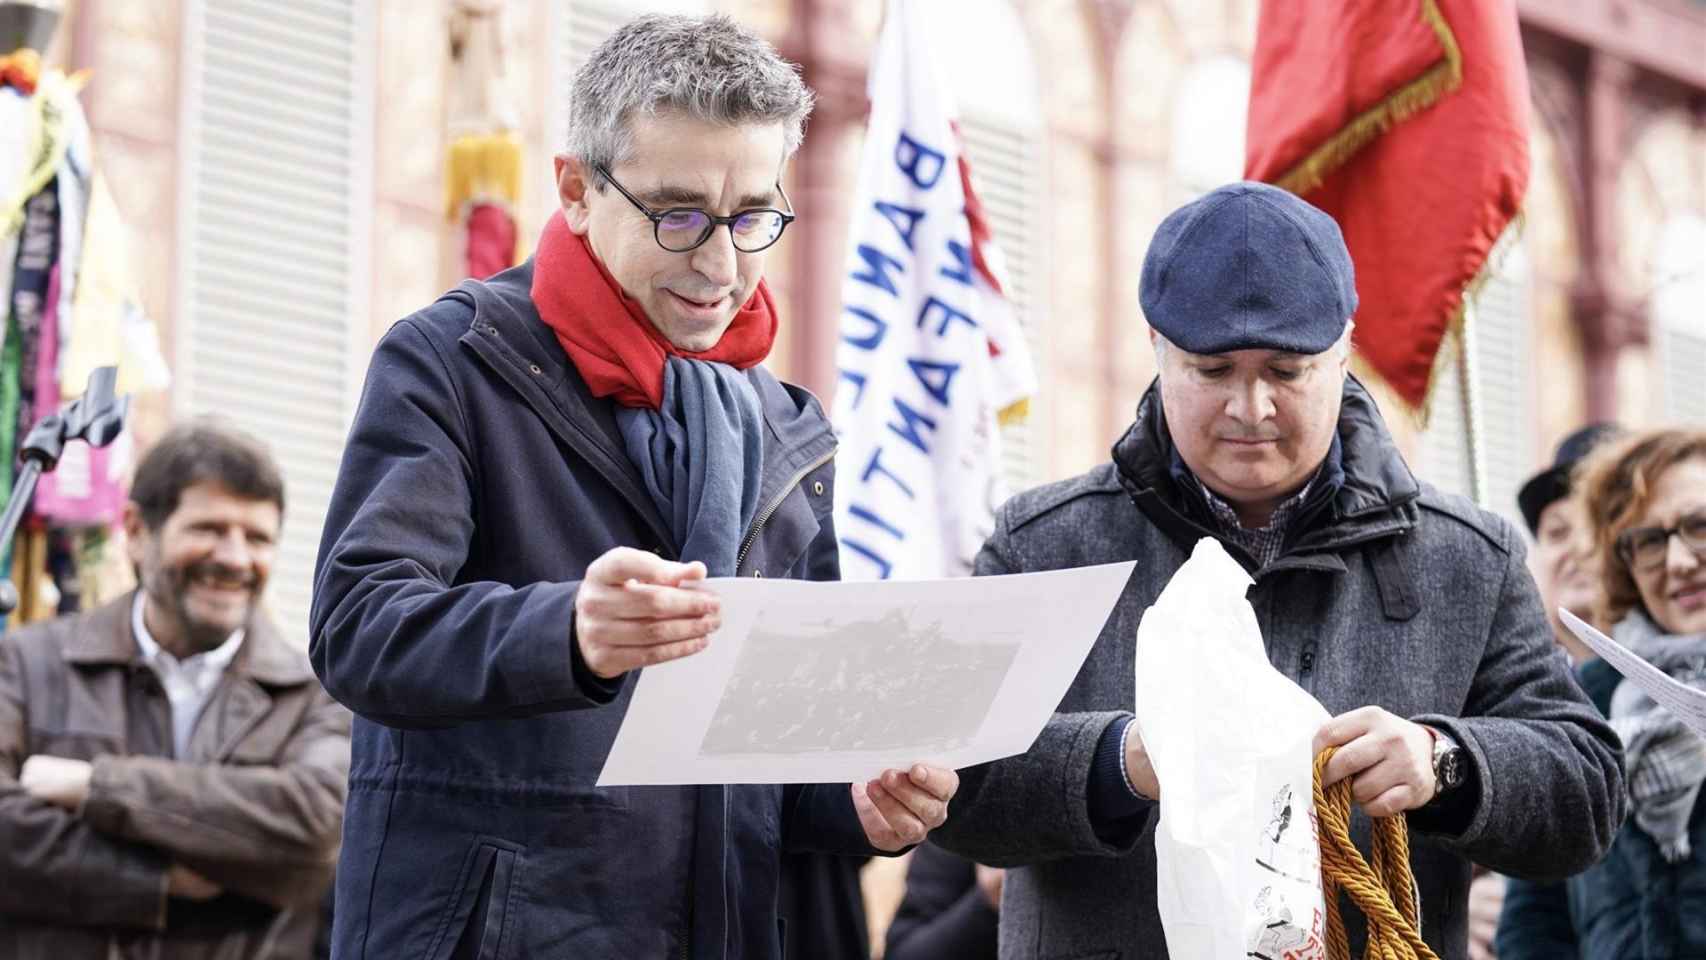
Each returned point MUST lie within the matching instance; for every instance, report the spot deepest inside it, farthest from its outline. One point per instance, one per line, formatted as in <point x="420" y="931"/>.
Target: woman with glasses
<point x="1645" y="498"/>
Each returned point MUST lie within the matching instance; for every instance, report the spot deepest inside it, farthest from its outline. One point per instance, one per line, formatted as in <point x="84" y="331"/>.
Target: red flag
<point x="1408" y="123"/>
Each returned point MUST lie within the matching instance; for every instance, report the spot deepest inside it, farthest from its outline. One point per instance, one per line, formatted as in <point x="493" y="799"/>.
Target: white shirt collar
<point x="215" y="660"/>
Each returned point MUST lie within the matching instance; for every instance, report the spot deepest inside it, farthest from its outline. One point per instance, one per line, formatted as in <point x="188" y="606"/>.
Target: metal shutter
<point x="1004" y="163"/>
<point x="275" y="207"/>
<point x="1678" y="317"/>
<point x="1682" y="353"/>
<point x="1497" y="329"/>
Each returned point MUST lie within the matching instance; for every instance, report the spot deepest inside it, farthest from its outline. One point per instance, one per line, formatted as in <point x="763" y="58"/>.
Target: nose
<point x="1581" y="545"/>
<point x="1680" y="558"/>
<point x="232" y="549"/>
<point x="1251" y="401"/>
<point x="715" y="259"/>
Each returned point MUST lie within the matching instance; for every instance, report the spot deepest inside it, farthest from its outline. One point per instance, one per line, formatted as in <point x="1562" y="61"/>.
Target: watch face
<point x="1451" y="767"/>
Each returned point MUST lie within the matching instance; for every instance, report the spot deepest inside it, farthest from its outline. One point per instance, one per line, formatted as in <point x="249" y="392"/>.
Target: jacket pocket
<point x="476" y="917"/>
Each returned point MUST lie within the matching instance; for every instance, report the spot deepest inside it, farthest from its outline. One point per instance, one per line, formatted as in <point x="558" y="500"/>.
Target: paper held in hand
<point x="1685" y="702"/>
<point x="1238" y="857"/>
<point x="835" y="682"/>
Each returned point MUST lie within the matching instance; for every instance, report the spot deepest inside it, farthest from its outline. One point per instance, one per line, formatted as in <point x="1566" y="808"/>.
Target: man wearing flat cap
<point x="1408" y="613"/>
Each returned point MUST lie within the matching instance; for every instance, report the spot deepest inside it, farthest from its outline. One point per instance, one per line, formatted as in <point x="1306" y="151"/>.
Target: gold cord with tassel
<point x="1384" y="891"/>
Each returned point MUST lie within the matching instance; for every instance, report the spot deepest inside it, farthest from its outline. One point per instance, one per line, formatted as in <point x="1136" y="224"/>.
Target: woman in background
<point x="1646" y="502"/>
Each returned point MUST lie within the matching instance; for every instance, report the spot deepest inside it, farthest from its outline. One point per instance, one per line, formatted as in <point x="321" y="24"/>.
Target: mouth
<point x="704" y="307"/>
<point x="1691" y="597"/>
<point x="221" y="579"/>
<point x="1249" y="442"/>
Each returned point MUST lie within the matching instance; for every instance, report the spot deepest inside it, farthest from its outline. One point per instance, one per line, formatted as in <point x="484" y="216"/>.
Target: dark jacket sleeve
<point x="270" y="833"/>
<point x="1549" y="769"/>
<point x="54" y="867"/>
<point x="1535" y="923"/>
<point x="943" y="914"/>
<point x="819" y="817"/>
<point x="1035" y="807"/>
<point x="391" y="636"/>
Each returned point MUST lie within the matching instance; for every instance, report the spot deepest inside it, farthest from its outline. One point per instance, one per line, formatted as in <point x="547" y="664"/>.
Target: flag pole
<point x="1471" y="408"/>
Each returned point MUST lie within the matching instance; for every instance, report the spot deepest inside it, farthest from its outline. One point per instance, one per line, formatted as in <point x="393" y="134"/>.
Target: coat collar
<point x="507" y="333"/>
<point x="1376" y="497"/>
<point x="104" y="636"/>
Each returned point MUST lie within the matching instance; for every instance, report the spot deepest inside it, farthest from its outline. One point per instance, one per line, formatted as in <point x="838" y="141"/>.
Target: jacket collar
<point x="509" y="335"/>
<point x="1376" y="496"/>
<point x="105" y="637"/>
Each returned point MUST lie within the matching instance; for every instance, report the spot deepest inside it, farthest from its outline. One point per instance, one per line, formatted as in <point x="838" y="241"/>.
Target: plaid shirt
<point x="1263" y="543"/>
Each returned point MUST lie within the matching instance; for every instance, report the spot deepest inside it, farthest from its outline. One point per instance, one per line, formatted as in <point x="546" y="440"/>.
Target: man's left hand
<point x="56" y="780"/>
<point x="1388" y="759"/>
<point x="901" y="807"/>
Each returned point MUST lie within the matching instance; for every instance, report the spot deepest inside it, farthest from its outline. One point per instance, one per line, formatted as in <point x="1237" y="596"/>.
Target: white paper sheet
<point x="831" y="682"/>
<point x="1682" y="700"/>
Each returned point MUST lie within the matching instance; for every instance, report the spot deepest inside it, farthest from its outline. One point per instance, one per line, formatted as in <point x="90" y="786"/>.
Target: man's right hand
<point x="1137" y="766"/>
<point x="184" y="883"/>
<point x="632" y="611"/>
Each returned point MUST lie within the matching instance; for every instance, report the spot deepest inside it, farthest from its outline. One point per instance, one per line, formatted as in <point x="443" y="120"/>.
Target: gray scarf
<point x="1666" y="761"/>
<point x="701" y="455"/>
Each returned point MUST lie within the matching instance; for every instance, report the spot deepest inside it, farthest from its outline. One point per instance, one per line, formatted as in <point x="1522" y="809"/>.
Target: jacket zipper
<point x="776" y="504"/>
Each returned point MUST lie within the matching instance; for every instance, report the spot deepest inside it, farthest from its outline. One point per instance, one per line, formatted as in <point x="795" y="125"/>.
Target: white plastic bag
<point x="1237" y="853"/>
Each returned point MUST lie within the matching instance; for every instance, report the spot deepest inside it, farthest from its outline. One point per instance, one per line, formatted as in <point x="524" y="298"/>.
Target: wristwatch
<point x="1449" y="762"/>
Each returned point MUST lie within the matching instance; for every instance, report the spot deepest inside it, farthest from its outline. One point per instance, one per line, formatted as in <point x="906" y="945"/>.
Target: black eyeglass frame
<point x="1626" y="541"/>
<point x="712" y="220"/>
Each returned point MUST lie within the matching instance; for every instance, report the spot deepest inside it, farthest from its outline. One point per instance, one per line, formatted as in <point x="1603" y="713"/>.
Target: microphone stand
<point x="96" y="417"/>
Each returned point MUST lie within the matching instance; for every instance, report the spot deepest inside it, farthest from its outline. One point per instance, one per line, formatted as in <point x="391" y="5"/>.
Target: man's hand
<point x="632" y="611"/>
<point x="56" y="780"/>
<point x="1486" y="900"/>
<point x="1137" y="767"/>
<point x="899" y="808"/>
<point x="1388" y="759"/>
<point x="186" y="884"/>
<point x="989" y="881"/>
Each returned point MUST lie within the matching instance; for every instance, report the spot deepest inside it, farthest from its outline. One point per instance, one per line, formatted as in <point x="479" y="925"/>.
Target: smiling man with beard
<point x="171" y="774"/>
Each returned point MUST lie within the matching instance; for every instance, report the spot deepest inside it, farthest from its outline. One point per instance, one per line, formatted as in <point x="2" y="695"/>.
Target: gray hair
<point x="709" y="68"/>
<point x="1342" y="345"/>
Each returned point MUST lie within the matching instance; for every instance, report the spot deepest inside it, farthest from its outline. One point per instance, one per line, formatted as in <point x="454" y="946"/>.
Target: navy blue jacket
<point x="1632" y="905"/>
<point x="944" y="912"/>
<point x="480" y="480"/>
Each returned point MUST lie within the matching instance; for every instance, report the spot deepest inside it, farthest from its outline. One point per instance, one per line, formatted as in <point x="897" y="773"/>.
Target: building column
<point x="1601" y="307"/>
<point x="817" y="40"/>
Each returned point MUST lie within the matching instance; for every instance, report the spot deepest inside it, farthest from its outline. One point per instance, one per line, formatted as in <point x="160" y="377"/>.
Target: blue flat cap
<point x="1248" y="266"/>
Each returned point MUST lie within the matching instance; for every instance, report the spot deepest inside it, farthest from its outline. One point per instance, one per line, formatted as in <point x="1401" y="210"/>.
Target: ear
<point x="135" y="533"/>
<point x="574" y="183"/>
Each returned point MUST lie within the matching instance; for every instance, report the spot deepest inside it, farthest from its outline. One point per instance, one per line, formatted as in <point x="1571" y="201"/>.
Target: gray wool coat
<point x="1387" y="593"/>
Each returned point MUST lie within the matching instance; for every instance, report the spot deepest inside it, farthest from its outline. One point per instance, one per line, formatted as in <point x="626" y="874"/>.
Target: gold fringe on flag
<point x="1409" y="99"/>
<point x="1460" y="315"/>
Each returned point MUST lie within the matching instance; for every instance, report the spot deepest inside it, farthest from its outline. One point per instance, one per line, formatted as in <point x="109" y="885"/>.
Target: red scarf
<point x="608" y="338"/>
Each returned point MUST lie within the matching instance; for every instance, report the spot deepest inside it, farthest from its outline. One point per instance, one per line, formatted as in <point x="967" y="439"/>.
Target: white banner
<point x="930" y="353"/>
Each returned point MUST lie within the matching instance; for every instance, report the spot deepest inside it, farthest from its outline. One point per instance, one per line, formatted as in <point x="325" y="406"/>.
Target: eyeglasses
<point x="680" y="229"/>
<point x="1643" y="549"/>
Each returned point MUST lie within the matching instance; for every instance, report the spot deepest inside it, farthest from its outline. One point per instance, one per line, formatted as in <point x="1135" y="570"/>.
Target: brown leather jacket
<point x="257" y="807"/>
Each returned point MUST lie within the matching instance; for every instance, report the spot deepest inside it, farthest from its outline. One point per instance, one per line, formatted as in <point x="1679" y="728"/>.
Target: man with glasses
<point x="542" y="468"/>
